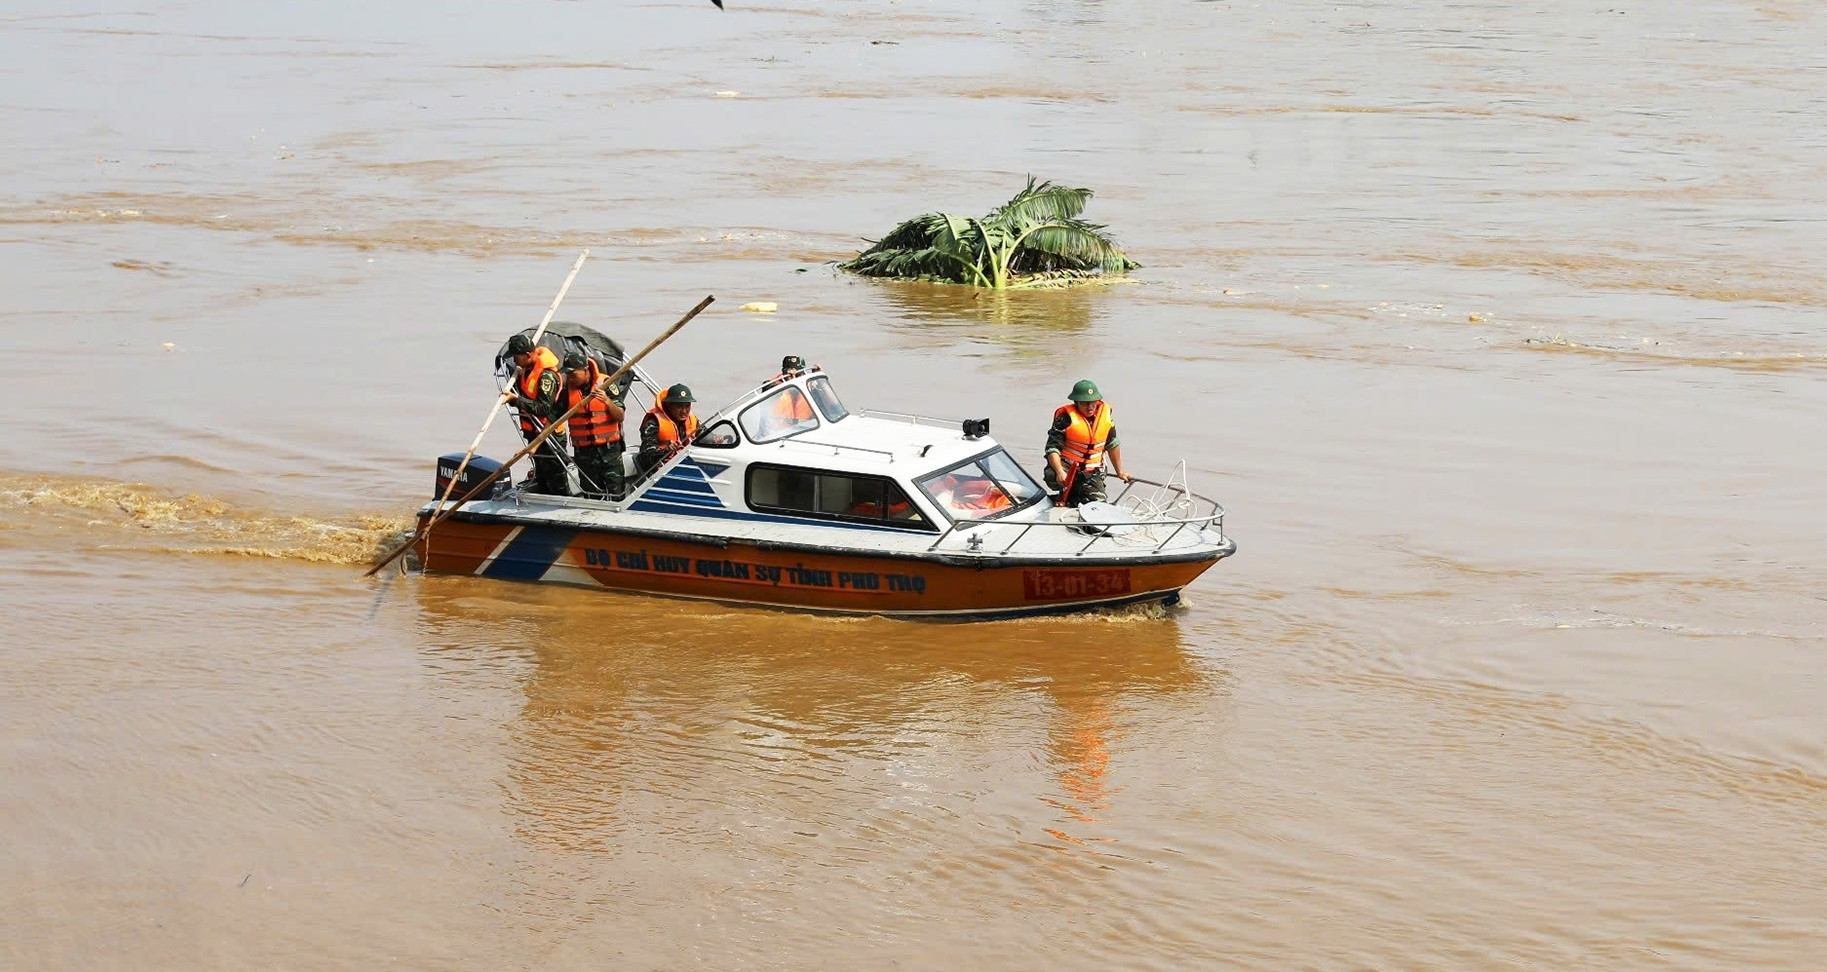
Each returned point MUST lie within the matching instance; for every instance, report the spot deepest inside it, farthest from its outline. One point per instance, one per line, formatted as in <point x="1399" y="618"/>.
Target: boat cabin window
<point x="784" y="413"/>
<point x="720" y="436"/>
<point x="978" y="489"/>
<point x="827" y="399"/>
<point x="832" y="496"/>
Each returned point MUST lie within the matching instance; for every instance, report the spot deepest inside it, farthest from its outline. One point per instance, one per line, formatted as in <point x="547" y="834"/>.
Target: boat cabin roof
<point x="800" y="421"/>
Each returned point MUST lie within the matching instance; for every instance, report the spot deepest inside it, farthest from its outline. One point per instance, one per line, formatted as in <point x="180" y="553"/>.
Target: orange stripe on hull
<point x="460" y="548"/>
<point x="744" y="573"/>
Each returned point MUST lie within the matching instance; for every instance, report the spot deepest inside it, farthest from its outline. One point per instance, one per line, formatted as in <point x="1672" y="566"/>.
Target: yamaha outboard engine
<point x="478" y="469"/>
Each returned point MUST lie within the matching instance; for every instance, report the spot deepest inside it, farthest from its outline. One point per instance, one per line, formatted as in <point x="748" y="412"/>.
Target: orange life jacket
<point x="591" y="425"/>
<point x="528" y="386"/>
<point x="672" y="437"/>
<point x="1085" y="438"/>
<point x="897" y="509"/>
<point x="976" y="493"/>
<point x="979" y="494"/>
<point x="792" y="408"/>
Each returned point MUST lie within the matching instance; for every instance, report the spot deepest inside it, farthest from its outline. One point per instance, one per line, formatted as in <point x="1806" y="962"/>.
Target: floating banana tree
<point x="1034" y="240"/>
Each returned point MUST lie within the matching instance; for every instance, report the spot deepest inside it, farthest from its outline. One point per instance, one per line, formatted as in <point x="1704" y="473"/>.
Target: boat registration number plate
<point x="1065" y="585"/>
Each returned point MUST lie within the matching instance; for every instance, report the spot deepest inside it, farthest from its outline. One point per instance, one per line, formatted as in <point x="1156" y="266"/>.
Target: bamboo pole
<point x="440" y="513"/>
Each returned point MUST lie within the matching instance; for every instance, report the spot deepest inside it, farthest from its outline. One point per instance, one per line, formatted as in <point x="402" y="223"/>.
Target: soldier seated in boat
<point x="789" y="411"/>
<point x="668" y="427"/>
<point x="791" y="367"/>
<point x="1084" y="430"/>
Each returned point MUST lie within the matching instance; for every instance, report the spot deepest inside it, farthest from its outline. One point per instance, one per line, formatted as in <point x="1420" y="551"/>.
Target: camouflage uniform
<point x="601" y="469"/>
<point x="601" y="465"/>
<point x="654" y="450"/>
<point x="550" y="468"/>
<point x="650" y="454"/>
<point x="1088" y="485"/>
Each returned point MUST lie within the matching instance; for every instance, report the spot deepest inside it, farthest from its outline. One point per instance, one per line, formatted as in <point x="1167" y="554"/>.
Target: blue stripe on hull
<point x="659" y="492"/>
<point x="531" y="553"/>
<point x="685" y="484"/>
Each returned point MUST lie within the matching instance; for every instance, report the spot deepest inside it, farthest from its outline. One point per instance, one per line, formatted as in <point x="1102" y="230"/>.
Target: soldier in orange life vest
<point x="596" y="428"/>
<point x="668" y="427"/>
<point x="534" y="395"/>
<point x="1083" y="432"/>
<point x="791" y="366"/>
<point x="790" y="409"/>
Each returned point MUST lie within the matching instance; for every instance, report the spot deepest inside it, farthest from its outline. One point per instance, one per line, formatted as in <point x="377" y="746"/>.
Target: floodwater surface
<point x="1498" y="328"/>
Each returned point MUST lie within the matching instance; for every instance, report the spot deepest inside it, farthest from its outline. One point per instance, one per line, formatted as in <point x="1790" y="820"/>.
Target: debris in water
<point x="1475" y="318"/>
<point x="926" y="248"/>
<point x="761" y="307"/>
<point x="160" y="269"/>
<point x="169" y="346"/>
<point x="729" y="94"/>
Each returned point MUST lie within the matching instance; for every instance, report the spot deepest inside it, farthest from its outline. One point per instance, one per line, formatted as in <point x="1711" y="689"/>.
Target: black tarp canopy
<point x="564" y="337"/>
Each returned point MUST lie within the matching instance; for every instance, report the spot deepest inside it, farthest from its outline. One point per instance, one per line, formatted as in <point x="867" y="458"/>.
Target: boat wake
<point x="110" y="514"/>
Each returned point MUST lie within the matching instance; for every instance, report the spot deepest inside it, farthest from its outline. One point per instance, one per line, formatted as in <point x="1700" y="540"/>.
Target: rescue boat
<point x="787" y="499"/>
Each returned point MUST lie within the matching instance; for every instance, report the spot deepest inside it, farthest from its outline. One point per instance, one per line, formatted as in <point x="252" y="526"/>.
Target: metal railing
<point x="835" y="447"/>
<point x="911" y="419"/>
<point x="1172" y="504"/>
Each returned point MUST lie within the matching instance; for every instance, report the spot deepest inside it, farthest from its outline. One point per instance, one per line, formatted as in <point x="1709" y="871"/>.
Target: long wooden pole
<point x="476" y="443"/>
<point x="557" y="423"/>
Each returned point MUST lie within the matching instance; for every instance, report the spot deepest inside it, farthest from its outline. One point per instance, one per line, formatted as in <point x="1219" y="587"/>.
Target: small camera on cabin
<point x="976" y="428"/>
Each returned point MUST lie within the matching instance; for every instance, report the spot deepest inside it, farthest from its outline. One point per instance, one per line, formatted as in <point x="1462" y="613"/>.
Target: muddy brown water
<point x="1498" y="327"/>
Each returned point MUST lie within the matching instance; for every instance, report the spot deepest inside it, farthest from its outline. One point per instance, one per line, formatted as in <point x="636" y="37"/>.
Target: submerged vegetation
<point x="1035" y="239"/>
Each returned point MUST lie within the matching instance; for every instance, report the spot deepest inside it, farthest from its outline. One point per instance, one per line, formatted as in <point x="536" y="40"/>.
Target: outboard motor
<point x="478" y="469"/>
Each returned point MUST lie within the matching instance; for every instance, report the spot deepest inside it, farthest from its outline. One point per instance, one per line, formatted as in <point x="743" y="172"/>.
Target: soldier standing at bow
<point x="1084" y="430"/>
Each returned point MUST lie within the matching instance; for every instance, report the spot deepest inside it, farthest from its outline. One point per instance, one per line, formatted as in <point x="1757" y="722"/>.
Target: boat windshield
<point x="784" y="413"/>
<point x="981" y="488"/>
<point x="827" y="399"/>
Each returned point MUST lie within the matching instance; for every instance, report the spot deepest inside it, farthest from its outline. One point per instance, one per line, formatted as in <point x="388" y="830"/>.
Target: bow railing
<point x="1157" y="518"/>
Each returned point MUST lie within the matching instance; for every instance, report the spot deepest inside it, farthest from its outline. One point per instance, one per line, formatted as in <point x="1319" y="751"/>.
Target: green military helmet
<point x="575" y="361"/>
<point x="1086" y="391"/>
<point x="520" y="344"/>
<point x="679" y="395"/>
<point x="792" y="363"/>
